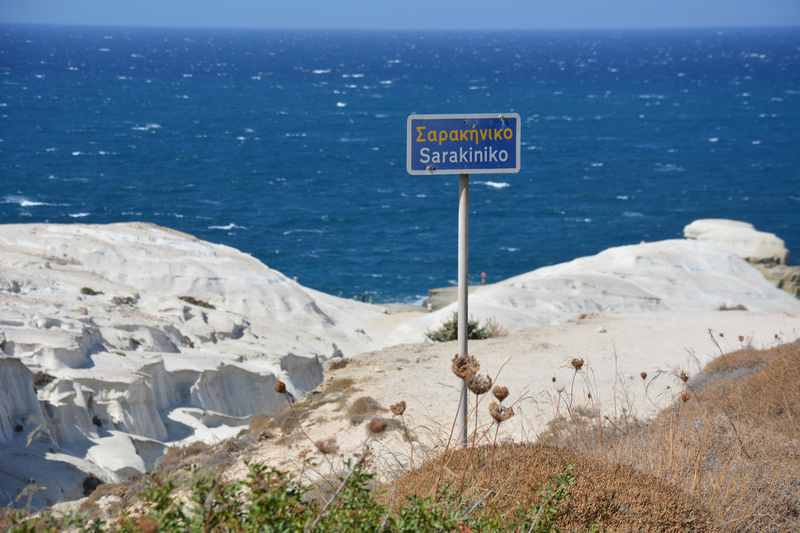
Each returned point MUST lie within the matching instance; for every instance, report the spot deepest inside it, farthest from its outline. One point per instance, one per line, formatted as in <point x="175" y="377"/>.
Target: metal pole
<point x="463" y="268"/>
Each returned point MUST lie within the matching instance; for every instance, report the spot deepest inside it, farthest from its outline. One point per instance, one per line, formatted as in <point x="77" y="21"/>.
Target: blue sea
<point x="291" y="145"/>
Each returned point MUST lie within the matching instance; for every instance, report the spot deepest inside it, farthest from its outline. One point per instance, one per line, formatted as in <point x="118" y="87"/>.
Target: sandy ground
<point x="535" y="365"/>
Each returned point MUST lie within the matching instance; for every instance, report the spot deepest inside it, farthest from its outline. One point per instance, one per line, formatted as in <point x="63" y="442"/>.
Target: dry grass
<point x="260" y="426"/>
<point x="334" y="391"/>
<point x="510" y="476"/>
<point x="734" y="445"/>
<point x="363" y="408"/>
<point x="338" y="364"/>
<point x="178" y="457"/>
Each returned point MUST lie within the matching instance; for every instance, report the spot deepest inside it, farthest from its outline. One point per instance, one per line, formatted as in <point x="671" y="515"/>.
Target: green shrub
<point x="88" y="291"/>
<point x="448" y="331"/>
<point x="269" y="501"/>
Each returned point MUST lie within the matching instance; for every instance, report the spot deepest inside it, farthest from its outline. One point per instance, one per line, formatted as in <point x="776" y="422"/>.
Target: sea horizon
<point x="514" y="29"/>
<point x="289" y="144"/>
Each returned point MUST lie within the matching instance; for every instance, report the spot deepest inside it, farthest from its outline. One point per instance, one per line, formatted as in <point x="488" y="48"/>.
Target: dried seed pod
<point x="741" y="338"/>
<point x="684" y="396"/>
<point x="398" y="408"/>
<point x="377" y="425"/>
<point x="465" y="367"/>
<point x="327" y="446"/>
<point x="577" y="363"/>
<point x="500" y="413"/>
<point x="500" y="392"/>
<point x="479" y="384"/>
<point x="280" y="387"/>
<point x="684" y="376"/>
<point x="643" y="375"/>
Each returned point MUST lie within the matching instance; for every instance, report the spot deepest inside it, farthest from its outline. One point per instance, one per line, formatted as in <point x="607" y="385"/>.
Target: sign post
<point x="463" y="299"/>
<point x="464" y="145"/>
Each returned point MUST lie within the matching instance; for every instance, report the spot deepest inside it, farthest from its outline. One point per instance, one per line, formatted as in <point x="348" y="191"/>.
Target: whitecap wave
<point x="147" y="127"/>
<point x="292" y="231"/>
<point x="341" y="104"/>
<point x="321" y="71"/>
<point x="494" y="184"/>
<point x="228" y="227"/>
<point x="22" y="201"/>
<point x="78" y="215"/>
<point x="669" y="167"/>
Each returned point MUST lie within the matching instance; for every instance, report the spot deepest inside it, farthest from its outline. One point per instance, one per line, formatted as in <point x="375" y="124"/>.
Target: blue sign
<point x="464" y="144"/>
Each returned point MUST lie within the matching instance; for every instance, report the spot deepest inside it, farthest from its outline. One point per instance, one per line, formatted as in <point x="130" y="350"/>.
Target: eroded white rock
<point x="139" y="337"/>
<point x="673" y="275"/>
<point x="741" y="238"/>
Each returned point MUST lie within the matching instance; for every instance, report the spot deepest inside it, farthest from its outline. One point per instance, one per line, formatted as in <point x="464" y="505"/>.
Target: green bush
<point x="448" y="331"/>
<point x="269" y="501"/>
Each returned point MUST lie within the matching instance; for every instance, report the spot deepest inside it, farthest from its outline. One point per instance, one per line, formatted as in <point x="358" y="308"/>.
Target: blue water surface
<point x="291" y="145"/>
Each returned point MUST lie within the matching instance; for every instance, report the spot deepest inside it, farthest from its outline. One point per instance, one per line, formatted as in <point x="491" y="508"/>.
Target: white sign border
<point x="514" y="170"/>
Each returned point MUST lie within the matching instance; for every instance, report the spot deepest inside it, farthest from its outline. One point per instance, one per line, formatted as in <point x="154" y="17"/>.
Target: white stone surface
<point x="673" y="275"/>
<point x="125" y="379"/>
<point x="741" y="238"/>
<point x="102" y="384"/>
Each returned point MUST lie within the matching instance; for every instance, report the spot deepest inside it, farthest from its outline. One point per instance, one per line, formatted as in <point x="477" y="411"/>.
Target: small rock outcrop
<point x="765" y="251"/>
<point x="741" y="238"/>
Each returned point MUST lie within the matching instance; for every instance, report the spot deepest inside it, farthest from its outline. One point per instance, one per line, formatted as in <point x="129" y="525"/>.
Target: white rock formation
<point x="673" y="275"/>
<point x="118" y="340"/>
<point x="741" y="238"/>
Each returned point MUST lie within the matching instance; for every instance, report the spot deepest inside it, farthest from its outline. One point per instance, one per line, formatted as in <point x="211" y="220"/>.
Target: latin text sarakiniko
<point x="462" y="155"/>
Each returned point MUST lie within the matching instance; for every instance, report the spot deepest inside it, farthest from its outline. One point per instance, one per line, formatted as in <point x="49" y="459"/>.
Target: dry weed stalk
<point x="479" y="384"/>
<point x="729" y="440"/>
<point x="399" y="409"/>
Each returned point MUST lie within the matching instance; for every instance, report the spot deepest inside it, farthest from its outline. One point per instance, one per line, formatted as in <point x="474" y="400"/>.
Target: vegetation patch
<point x="268" y="500"/>
<point x="448" y="331"/>
<point x="88" y="291"/>
<point x="335" y="391"/>
<point x="729" y="441"/>
<point x="363" y="408"/>
<point x="503" y="480"/>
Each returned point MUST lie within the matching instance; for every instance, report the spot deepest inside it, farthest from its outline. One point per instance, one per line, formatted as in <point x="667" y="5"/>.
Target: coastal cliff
<point x="118" y="341"/>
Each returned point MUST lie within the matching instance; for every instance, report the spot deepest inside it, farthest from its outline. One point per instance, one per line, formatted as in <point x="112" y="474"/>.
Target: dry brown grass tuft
<point x="334" y="391"/>
<point x="363" y="408"/>
<point x="338" y="363"/>
<point x="177" y="457"/>
<point x="260" y="427"/>
<point x="735" y="445"/>
<point x="510" y="476"/>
